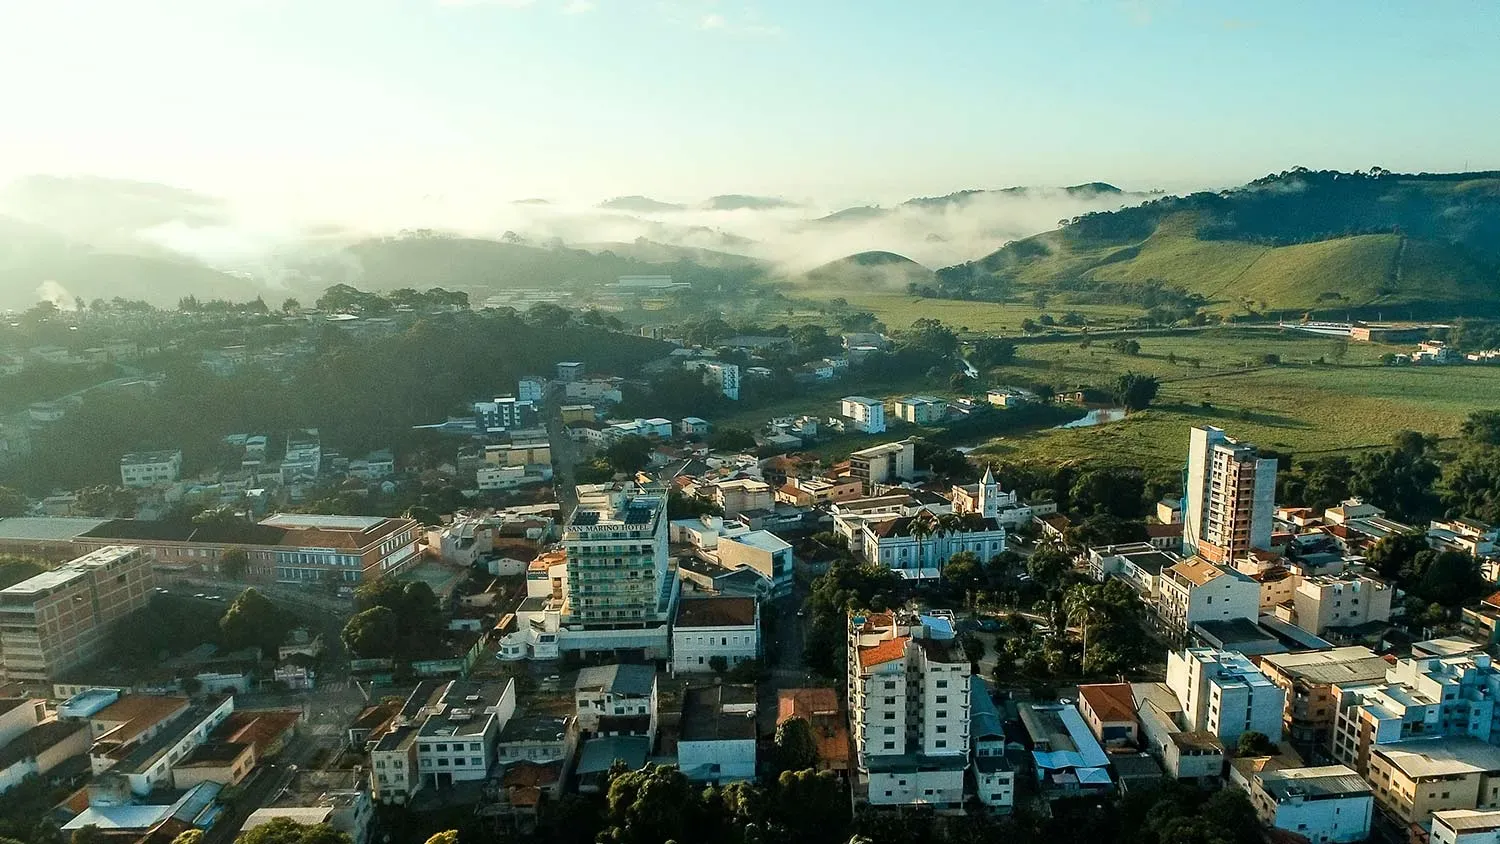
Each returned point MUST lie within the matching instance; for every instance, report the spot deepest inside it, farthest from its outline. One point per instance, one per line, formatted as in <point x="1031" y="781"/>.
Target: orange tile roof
<point x="1110" y="701"/>
<point x="1493" y="600"/>
<point x="1197" y="571"/>
<point x="820" y="708"/>
<point x="806" y="703"/>
<point x="137" y="713"/>
<point x="890" y="649"/>
<point x="260" y="728"/>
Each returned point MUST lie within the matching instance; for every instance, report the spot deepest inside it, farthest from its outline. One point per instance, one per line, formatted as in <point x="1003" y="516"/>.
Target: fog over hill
<point x="185" y="237"/>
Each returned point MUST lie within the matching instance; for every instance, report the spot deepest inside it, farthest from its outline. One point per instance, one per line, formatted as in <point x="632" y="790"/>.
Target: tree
<point x="1394" y="554"/>
<point x="1449" y="578"/>
<point x="191" y="836"/>
<point x="964" y="572"/>
<point x="288" y="831"/>
<point x="731" y="439"/>
<point x="289" y="306"/>
<point x="809" y="805"/>
<point x="253" y="620"/>
<point x="1254" y="743"/>
<point x="973" y="646"/>
<point x="1047" y="565"/>
<point x="234" y="564"/>
<point x="993" y="351"/>
<point x="1105" y="529"/>
<point x="1136" y="392"/>
<point x="449" y="836"/>
<point x="647" y="806"/>
<point x="1128" y="347"/>
<point x="796" y="747"/>
<point x="372" y="633"/>
<point x="1117" y="491"/>
<point x="628" y="455"/>
<point x="12" y="503"/>
<point x="89" y="834"/>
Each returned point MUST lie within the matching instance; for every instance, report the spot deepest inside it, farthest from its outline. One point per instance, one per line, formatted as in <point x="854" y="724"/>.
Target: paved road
<point x="565" y="455"/>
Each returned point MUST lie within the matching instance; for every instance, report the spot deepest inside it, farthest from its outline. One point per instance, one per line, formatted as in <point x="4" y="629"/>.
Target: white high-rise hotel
<point x="908" y="708"/>
<point x="1229" y="497"/>
<point x="621" y="593"/>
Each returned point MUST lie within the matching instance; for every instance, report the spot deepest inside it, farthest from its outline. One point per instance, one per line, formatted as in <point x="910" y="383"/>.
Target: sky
<point x="339" y="105"/>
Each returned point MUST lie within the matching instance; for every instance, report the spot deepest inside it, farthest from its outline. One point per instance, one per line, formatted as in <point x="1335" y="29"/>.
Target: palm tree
<point x="920" y="529"/>
<point x="1083" y="605"/>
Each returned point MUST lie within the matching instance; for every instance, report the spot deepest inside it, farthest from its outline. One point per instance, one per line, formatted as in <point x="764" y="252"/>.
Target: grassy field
<point x="900" y="310"/>
<point x="1297" y="406"/>
<point x="1325" y="396"/>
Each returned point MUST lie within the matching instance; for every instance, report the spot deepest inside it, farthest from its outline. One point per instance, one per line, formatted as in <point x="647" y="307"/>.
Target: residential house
<point x="1109" y="711"/>
<point x="150" y="468"/>
<point x="994" y="775"/>
<point x="762" y="551"/>
<point x="1323" y="805"/>
<point x="717" y="739"/>
<point x="727" y="628"/>
<point x="1067" y="759"/>
<point x="821" y="709"/>
<point x="616" y="700"/>
<point x="1185" y="754"/>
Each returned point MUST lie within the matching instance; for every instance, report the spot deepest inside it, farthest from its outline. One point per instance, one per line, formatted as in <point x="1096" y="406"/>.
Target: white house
<point x="692" y="426"/>
<point x="727" y="627"/>
<point x="606" y="693"/>
<point x="1196" y="590"/>
<point x="1325" y="805"/>
<point x="868" y="414"/>
<point x="994" y="776"/>
<point x="717" y="735"/>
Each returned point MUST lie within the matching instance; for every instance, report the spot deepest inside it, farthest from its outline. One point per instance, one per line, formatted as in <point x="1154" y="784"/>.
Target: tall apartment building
<point x="621" y="590"/>
<point x="889" y="463"/>
<point x="149" y="468"/>
<point x="908" y="709"/>
<point x="867" y="414"/>
<point x="59" y="619"/>
<point x="1223" y="693"/>
<point x="1228" y="498"/>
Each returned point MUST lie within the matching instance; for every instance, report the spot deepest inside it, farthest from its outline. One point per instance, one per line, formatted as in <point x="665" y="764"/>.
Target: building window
<point x="940" y="743"/>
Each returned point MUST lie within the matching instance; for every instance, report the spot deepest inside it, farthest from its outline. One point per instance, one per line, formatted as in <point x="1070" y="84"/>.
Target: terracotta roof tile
<point x="890" y="649"/>
<point x="1110" y="701"/>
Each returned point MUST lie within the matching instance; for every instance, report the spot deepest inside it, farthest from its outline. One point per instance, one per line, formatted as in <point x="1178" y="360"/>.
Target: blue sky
<point x="363" y="102"/>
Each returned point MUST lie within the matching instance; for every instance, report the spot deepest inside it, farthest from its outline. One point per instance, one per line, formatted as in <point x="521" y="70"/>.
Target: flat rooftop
<point x="45" y="529"/>
<point x="299" y="521"/>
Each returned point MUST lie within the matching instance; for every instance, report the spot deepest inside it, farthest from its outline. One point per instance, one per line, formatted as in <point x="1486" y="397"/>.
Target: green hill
<point x="477" y="266"/>
<point x="31" y="256"/>
<point x="1335" y="242"/>
<point x="871" y="271"/>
